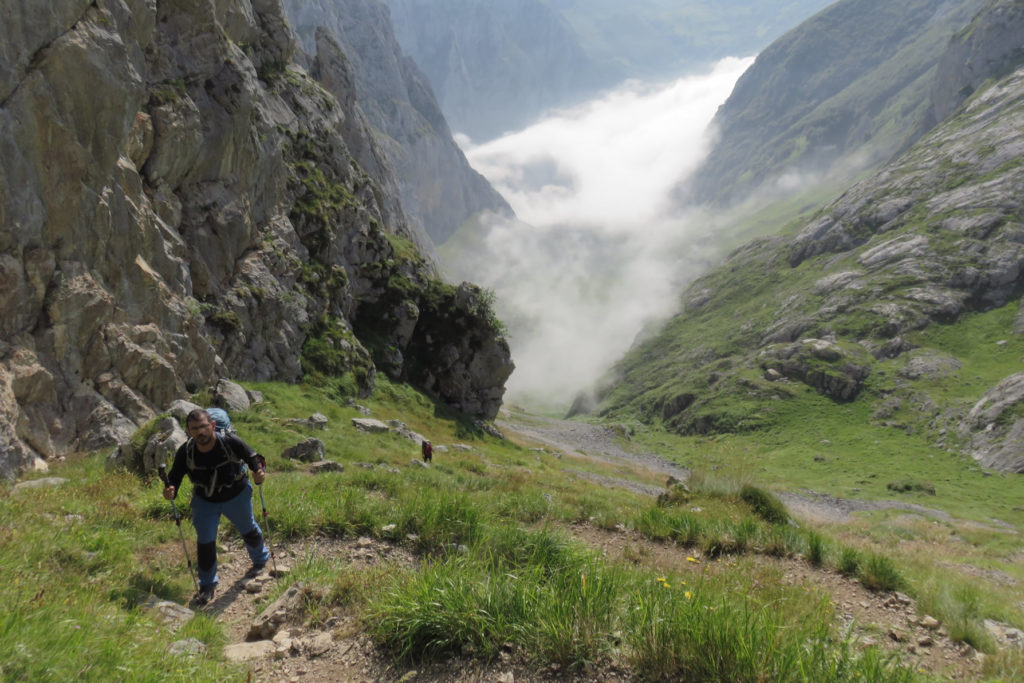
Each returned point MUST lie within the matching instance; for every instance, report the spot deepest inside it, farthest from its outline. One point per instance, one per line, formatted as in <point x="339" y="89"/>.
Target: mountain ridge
<point x="840" y="93"/>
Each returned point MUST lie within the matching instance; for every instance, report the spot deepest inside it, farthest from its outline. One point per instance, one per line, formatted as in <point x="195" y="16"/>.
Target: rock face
<point x="495" y="66"/>
<point x="179" y="203"/>
<point x="995" y="426"/>
<point x="438" y="188"/>
<point x="842" y="92"/>
<point x="990" y="47"/>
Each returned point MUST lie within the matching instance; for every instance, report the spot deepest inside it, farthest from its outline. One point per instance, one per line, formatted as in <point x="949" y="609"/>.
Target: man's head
<point x="201" y="428"/>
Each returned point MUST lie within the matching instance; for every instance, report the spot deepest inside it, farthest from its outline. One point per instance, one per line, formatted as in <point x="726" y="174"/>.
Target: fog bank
<point x="597" y="252"/>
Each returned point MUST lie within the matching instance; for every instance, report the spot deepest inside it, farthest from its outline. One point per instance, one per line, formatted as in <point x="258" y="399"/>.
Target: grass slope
<point x="495" y="564"/>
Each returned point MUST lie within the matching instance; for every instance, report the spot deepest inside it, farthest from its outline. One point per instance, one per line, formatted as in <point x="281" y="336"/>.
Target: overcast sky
<point x="598" y="251"/>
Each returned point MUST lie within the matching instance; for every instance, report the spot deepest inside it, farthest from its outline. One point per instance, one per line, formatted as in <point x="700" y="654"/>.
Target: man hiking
<point x="215" y="463"/>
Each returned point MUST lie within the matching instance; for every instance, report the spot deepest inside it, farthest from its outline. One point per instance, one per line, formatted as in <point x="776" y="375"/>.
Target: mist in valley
<point x="598" y="251"/>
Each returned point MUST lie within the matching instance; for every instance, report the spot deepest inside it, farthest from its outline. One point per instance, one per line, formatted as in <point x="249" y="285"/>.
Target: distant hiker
<point x="215" y="463"/>
<point x="428" y="452"/>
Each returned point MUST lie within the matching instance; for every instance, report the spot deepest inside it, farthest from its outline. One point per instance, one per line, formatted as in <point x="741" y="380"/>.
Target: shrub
<point x="911" y="485"/>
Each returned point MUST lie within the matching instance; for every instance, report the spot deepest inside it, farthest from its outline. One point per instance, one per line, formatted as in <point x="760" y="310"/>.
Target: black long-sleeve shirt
<point x="217" y="475"/>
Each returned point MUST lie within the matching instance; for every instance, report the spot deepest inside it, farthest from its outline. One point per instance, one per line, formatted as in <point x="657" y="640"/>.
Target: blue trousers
<point x="206" y="518"/>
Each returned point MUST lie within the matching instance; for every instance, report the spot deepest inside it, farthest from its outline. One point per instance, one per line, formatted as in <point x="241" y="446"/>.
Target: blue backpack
<point x="221" y="421"/>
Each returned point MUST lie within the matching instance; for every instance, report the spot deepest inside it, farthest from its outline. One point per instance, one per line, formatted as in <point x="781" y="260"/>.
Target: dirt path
<point x="582" y="439"/>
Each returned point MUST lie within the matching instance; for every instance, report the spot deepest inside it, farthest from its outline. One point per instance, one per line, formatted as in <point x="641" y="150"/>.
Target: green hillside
<point x="897" y="301"/>
<point x="490" y="561"/>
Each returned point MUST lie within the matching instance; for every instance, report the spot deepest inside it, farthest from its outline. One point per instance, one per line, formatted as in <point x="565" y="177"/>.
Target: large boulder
<point x="994" y="427"/>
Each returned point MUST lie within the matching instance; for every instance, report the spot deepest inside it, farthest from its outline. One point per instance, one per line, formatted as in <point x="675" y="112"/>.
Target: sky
<point x="598" y="250"/>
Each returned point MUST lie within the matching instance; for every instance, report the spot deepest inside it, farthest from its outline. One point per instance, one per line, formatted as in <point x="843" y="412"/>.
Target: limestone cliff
<point x="438" y="188"/>
<point x="179" y="202"/>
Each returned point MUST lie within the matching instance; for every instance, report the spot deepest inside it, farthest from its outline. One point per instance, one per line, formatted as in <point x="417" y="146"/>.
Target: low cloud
<point x="598" y="251"/>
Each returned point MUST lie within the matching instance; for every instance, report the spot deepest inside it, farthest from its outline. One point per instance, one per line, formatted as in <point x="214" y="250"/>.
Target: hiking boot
<point x="256" y="570"/>
<point x="205" y="594"/>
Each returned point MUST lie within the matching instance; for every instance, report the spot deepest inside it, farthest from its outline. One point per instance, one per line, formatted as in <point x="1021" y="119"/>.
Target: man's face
<point x="201" y="430"/>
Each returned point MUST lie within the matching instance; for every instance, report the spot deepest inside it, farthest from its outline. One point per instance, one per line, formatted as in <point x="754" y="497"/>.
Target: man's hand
<point x="259" y="475"/>
<point x="169" y="493"/>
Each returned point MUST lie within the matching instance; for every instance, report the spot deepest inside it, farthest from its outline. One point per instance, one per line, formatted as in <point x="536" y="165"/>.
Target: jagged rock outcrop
<point x="178" y="204"/>
<point x="828" y="367"/>
<point x="438" y="187"/>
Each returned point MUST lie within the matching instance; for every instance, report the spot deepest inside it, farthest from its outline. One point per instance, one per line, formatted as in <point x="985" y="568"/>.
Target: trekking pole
<point x="266" y="529"/>
<point x="266" y="520"/>
<point x="162" y="471"/>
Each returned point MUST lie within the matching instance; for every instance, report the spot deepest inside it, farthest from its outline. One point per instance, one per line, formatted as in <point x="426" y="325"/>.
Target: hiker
<point x="215" y="463"/>
<point x="428" y="452"/>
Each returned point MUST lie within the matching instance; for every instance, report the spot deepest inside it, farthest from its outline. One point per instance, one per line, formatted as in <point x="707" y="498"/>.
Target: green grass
<point x="815" y="443"/>
<point x="495" y="562"/>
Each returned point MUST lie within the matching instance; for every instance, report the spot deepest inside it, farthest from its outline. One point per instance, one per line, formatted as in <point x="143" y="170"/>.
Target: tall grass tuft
<point x="783" y="541"/>
<point x="745" y="532"/>
<point x="685" y="527"/>
<point x="765" y="505"/>
<point x="559" y="604"/>
<point x="849" y="561"/>
<point x="815" y="549"/>
<point x="879" y="573"/>
<point x="958" y="604"/>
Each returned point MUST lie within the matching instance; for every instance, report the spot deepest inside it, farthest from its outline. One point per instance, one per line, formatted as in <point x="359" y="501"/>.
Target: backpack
<point x="221" y="421"/>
